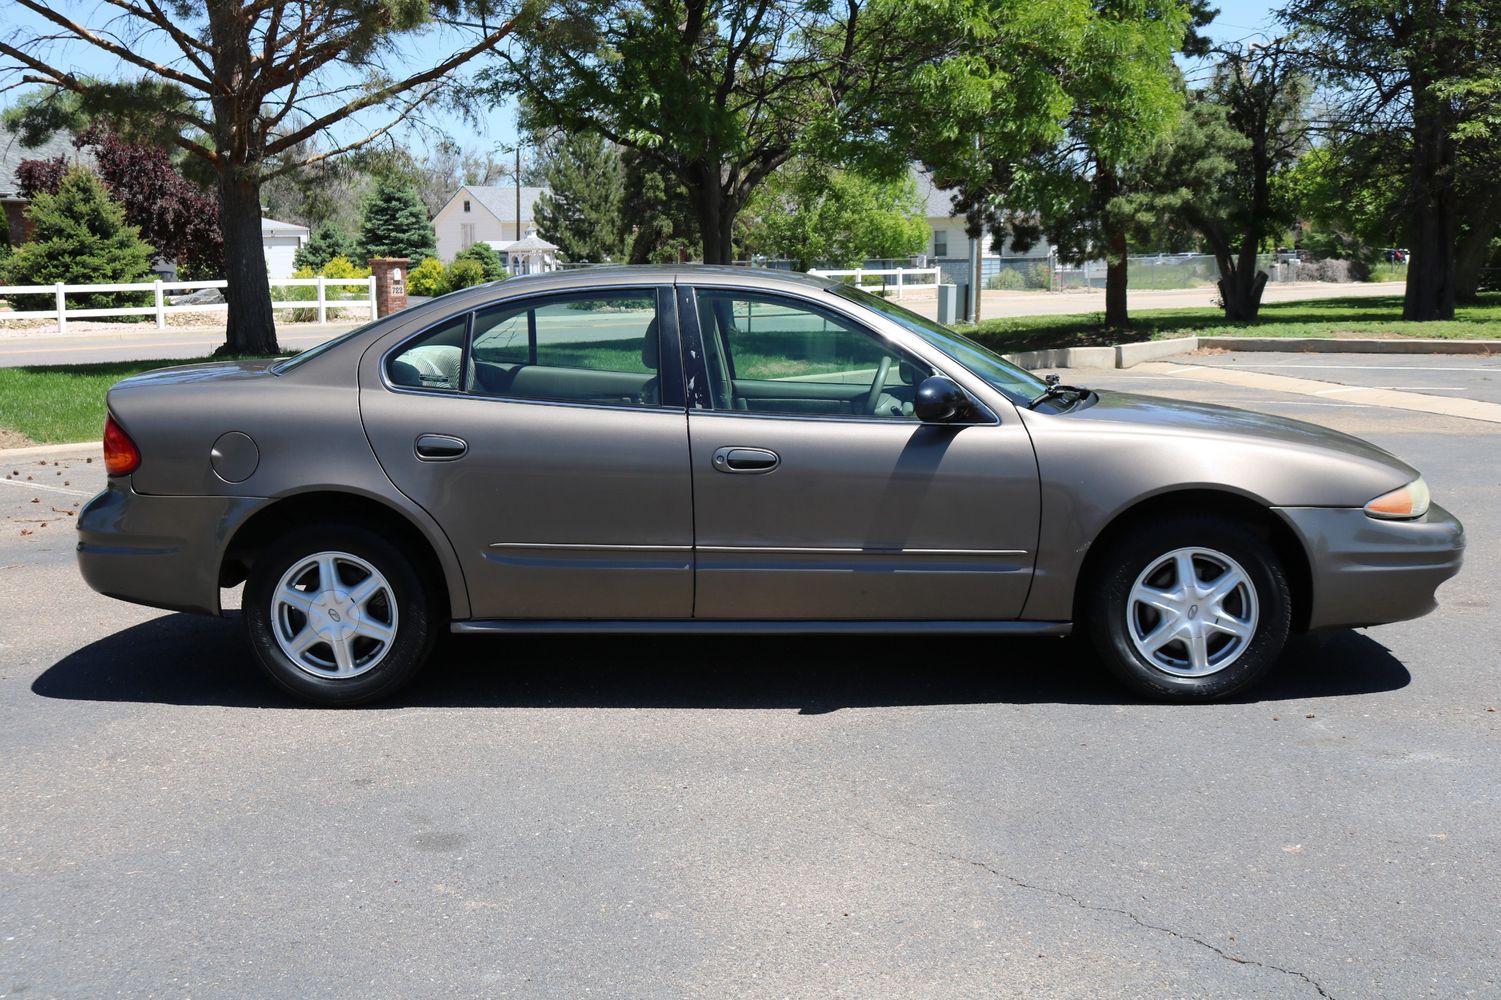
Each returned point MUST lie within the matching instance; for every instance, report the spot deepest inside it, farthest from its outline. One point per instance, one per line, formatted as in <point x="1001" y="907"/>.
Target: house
<point x="948" y="240"/>
<point x="281" y="241"/>
<point x="483" y="213"/>
<point x="18" y="227"/>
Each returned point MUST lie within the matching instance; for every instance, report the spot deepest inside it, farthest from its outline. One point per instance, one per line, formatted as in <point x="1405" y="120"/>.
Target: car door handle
<point x="441" y="447"/>
<point x="746" y="460"/>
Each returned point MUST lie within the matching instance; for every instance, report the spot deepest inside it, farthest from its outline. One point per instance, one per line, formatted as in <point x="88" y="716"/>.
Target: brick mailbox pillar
<point x="390" y="283"/>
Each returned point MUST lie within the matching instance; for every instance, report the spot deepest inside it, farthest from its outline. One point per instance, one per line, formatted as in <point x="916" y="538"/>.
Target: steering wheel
<point x="878" y="386"/>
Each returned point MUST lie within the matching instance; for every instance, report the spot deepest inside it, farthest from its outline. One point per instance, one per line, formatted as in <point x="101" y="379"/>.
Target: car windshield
<point x="1018" y="383"/>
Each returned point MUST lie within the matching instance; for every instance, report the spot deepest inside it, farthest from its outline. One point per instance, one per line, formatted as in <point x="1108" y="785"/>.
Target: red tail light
<point x="121" y="456"/>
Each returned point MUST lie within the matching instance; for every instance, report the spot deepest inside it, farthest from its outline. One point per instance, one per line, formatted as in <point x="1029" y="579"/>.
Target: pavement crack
<point x="1100" y="908"/>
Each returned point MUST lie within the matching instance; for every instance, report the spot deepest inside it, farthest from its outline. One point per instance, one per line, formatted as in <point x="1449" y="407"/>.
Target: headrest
<point x="650" y="349"/>
<point x="405" y="374"/>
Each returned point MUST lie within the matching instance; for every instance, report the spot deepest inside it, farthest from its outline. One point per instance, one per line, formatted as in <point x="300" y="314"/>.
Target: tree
<point x="720" y="93"/>
<point x="659" y="222"/>
<point x="327" y="242"/>
<point x="581" y="209"/>
<point x="811" y="215"/>
<point x="1219" y="173"/>
<point x="1423" y="72"/>
<point x="172" y="213"/>
<point x="396" y="224"/>
<point x="79" y="236"/>
<point x="243" y="87"/>
<point x="1120" y="96"/>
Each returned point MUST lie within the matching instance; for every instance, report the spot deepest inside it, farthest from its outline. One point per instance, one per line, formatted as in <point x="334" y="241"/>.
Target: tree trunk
<point x="252" y="326"/>
<point x="1431" y="288"/>
<point x="1117" y="315"/>
<point x="1475" y="249"/>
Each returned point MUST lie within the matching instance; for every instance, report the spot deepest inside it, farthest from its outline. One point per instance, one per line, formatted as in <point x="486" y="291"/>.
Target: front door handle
<point x="751" y="461"/>
<point x="441" y="447"/>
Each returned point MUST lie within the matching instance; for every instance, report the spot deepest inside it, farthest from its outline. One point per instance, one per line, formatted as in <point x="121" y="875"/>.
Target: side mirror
<point x="939" y="400"/>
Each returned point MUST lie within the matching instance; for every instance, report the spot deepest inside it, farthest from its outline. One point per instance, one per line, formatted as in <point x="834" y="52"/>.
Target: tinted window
<point x="435" y="360"/>
<point x="596" y="348"/>
<point x="778" y="356"/>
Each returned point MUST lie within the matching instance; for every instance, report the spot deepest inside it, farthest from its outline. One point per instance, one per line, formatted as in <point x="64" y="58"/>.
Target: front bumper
<point x="1366" y="571"/>
<point x="163" y="552"/>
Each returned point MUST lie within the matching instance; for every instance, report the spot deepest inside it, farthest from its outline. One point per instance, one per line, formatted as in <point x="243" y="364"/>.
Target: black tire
<point x="416" y="616"/>
<point x="1107" y="608"/>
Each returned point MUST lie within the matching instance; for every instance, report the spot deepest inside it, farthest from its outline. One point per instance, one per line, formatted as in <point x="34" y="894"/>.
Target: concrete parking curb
<point x="1131" y="355"/>
<point x="38" y="450"/>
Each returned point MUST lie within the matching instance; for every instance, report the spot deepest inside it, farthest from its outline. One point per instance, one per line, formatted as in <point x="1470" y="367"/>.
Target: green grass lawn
<point x="1361" y="317"/>
<point x="61" y="403"/>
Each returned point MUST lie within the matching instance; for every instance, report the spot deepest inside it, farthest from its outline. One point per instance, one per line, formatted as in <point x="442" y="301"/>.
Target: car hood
<point x="1183" y="418"/>
<point x="213" y="371"/>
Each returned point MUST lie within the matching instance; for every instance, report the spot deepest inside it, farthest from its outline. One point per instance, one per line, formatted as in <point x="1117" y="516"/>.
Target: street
<point x="762" y="817"/>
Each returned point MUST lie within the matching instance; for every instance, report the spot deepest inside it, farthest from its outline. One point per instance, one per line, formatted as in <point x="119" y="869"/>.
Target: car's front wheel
<point x="1190" y="608"/>
<point x="337" y="615"/>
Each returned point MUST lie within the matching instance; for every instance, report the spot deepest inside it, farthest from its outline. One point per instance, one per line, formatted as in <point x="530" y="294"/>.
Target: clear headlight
<point x="1402" y="503"/>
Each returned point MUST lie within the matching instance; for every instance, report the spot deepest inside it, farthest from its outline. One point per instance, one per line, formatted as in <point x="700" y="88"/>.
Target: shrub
<point x="80" y="237"/>
<point x="488" y="259"/>
<point x="428" y="278"/>
<point x="465" y="272"/>
<point x="1334" y="270"/>
<point x="327" y="243"/>
<point x="343" y="267"/>
<point x="1007" y="280"/>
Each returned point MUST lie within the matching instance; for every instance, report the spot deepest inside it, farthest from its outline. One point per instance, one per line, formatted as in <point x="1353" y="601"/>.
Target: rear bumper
<point x="1368" y="572"/>
<point x="163" y="552"/>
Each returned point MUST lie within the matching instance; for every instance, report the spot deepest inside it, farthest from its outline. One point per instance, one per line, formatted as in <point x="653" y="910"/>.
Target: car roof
<point x="665" y="273"/>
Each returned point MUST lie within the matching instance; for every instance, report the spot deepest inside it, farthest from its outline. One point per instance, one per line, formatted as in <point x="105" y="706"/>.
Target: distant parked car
<point x="718" y="451"/>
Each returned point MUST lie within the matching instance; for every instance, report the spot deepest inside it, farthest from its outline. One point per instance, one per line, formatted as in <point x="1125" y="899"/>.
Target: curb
<point x="1131" y="355"/>
<point x="33" y="451"/>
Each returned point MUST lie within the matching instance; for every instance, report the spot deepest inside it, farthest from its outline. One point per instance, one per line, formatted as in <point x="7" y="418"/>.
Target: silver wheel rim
<point x="334" y="615"/>
<point x="1192" y="612"/>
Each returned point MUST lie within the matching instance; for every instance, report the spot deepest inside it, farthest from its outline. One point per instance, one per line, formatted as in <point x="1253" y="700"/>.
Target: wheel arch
<point x="344" y="507"/>
<point x="1246" y="510"/>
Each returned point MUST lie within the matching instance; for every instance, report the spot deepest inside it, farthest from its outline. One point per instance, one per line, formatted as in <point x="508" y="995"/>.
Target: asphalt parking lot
<point x="757" y="818"/>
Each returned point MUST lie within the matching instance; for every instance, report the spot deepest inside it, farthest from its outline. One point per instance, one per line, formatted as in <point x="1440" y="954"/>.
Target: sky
<point x="1239" y="20"/>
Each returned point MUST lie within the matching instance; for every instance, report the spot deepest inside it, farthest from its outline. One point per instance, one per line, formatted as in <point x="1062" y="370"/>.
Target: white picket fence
<point x="902" y="278"/>
<point x="161" y="308"/>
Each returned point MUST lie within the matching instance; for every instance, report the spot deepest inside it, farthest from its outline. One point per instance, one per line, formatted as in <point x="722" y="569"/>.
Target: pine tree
<point x="580" y="211"/>
<point x="327" y="242"/>
<point x="396" y="223"/>
<point x="80" y="236"/>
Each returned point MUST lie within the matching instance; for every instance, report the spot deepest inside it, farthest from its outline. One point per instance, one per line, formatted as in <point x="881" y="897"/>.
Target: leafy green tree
<point x="489" y="261"/>
<point x="811" y="215"/>
<point x="1118" y="95"/>
<point x="327" y="242"/>
<point x="581" y="209"/>
<point x="1219" y="173"/>
<point x="244" y="87"/>
<point x="80" y="236"/>
<point x="396" y="223"/>
<point x="720" y="93"/>
<point x="1423" y="74"/>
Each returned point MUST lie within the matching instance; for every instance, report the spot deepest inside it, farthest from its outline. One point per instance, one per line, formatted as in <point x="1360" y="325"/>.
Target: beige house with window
<point x="483" y="213"/>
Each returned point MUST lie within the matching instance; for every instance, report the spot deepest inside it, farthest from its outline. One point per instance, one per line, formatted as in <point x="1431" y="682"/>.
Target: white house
<point x="281" y="241"/>
<point x="948" y="240"/>
<point x="480" y="213"/>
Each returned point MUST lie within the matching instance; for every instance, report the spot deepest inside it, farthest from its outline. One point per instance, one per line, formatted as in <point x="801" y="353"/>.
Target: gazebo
<point x="529" y="255"/>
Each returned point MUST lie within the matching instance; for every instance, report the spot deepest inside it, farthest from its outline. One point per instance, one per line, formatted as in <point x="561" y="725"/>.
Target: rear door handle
<point x="441" y="447"/>
<point x="751" y="461"/>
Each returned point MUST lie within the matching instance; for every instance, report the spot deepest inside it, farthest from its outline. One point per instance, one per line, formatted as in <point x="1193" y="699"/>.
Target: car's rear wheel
<point x="337" y="615"/>
<point x="1189" y="608"/>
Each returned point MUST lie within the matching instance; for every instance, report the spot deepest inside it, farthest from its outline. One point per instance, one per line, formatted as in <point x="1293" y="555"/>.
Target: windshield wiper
<point x="1056" y="389"/>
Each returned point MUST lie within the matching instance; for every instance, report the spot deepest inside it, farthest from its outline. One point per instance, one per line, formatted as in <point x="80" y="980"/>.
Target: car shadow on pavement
<point x="191" y="660"/>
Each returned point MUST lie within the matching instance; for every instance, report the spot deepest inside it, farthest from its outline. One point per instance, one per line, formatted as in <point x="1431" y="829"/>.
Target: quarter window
<point x="772" y="355"/>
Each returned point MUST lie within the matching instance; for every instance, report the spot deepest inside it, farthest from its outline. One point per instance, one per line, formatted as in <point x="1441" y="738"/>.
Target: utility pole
<point x="518" y="188"/>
